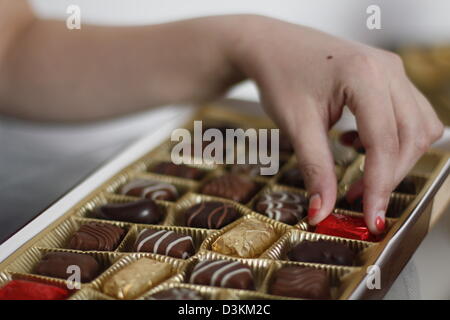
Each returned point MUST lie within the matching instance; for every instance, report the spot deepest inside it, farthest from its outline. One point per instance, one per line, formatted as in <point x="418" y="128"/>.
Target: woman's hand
<point x="306" y="77"/>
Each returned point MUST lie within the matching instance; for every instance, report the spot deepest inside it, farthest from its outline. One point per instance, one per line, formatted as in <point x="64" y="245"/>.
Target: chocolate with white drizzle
<point x="223" y="273"/>
<point x="164" y="242"/>
<point x="210" y="215"/>
<point x="150" y="189"/>
<point x="283" y="206"/>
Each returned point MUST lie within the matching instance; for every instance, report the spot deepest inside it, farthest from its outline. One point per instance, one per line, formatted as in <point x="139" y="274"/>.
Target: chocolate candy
<point x="247" y="240"/>
<point x="283" y="206"/>
<point x="176" y="294"/>
<point x="392" y="211"/>
<point x="407" y="186"/>
<point x="97" y="237"/>
<point x="252" y="170"/>
<point x="301" y="282"/>
<point x="55" y="264"/>
<point x="343" y="154"/>
<point x="293" y="178"/>
<point x="351" y="139"/>
<point x="322" y="251"/>
<point x="178" y="170"/>
<point x="150" y="189"/>
<point x="164" y="242"/>
<point x="211" y="215"/>
<point x="231" y="186"/>
<point x="136" y="278"/>
<point x="223" y="273"/>
<point x="142" y="211"/>
<point x="28" y="290"/>
<point x="340" y="225"/>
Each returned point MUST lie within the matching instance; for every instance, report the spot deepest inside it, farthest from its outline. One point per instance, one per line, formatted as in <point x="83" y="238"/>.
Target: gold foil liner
<point x="87" y="210"/>
<point x="127" y="259"/>
<point x="61" y="235"/>
<point x="26" y="263"/>
<point x="280" y="249"/>
<point x="176" y="217"/>
<point x="279" y="229"/>
<point x="89" y="294"/>
<point x="259" y="268"/>
<point x="335" y="275"/>
<point x="197" y="235"/>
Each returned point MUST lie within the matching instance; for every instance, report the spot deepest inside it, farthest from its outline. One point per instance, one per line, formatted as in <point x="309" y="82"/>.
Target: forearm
<point x="52" y="73"/>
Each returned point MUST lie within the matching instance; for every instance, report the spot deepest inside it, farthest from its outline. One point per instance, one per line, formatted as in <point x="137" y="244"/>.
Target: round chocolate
<point x="142" y="211"/>
<point x="150" y="189"/>
<point x="283" y="206"/>
<point x="96" y="237"/>
<point x="322" y="251"/>
<point x="211" y="215"/>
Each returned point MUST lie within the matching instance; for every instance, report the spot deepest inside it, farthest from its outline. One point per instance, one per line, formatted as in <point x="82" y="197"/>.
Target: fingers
<point x="377" y="127"/>
<point x="309" y="133"/>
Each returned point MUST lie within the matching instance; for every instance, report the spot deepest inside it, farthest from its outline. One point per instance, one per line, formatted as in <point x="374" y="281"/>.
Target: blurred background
<point x="40" y="163"/>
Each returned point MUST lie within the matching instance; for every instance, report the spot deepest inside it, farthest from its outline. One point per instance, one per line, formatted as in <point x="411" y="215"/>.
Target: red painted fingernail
<point x="315" y="203"/>
<point x="379" y="223"/>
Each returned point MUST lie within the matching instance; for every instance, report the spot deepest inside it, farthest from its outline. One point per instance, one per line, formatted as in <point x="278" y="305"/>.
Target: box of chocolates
<point x="156" y="230"/>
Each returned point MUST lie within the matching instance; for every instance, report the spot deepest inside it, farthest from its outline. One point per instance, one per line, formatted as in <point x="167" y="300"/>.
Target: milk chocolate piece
<point x="301" y="282"/>
<point x="164" y="242"/>
<point x="322" y="251"/>
<point x="96" y="237"/>
<point x="283" y="206"/>
<point x="142" y="211"/>
<point x="178" y="170"/>
<point x="30" y="290"/>
<point x="176" y="294"/>
<point x="136" y="278"/>
<point x="231" y="186"/>
<point x="223" y="273"/>
<point x="293" y="178"/>
<point x="248" y="239"/>
<point x="55" y="264"/>
<point x="211" y="215"/>
<point x="407" y="186"/>
<point x="154" y="190"/>
<point x="252" y="170"/>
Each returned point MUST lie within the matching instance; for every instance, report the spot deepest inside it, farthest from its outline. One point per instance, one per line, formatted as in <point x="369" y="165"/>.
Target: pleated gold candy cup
<point x="89" y="294"/>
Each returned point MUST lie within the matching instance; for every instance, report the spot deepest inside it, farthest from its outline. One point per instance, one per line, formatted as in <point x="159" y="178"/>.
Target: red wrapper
<point x="340" y="225"/>
<point x="28" y="290"/>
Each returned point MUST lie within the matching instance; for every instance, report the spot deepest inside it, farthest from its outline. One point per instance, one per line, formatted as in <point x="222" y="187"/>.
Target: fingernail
<point x="379" y="221"/>
<point x="315" y="203"/>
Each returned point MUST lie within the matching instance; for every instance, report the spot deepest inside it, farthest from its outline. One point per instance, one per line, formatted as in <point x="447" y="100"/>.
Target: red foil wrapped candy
<point x="340" y="225"/>
<point x="28" y="290"/>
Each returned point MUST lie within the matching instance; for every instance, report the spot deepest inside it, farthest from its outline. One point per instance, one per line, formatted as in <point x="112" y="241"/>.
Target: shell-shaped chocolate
<point x="142" y="211"/>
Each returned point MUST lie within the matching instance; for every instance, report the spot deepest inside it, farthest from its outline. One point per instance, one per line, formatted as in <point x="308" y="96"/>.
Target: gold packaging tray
<point x="403" y="235"/>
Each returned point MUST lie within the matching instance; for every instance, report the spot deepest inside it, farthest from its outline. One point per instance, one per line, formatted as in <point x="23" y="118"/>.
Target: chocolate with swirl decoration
<point x="223" y="273"/>
<point x="210" y="214"/>
<point x="150" y="189"/>
<point x="164" y="242"/>
<point x="301" y="282"/>
<point x="283" y="206"/>
<point x="97" y="237"/>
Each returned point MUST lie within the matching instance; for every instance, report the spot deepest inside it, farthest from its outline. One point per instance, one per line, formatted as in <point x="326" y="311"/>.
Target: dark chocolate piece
<point x="96" y="237"/>
<point x="293" y="178"/>
<point x="231" y="186"/>
<point x="142" y="211"/>
<point x="223" y="273"/>
<point x="252" y="170"/>
<point x="357" y="206"/>
<point x="322" y="251"/>
<point x="283" y="206"/>
<point x="55" y="264"/>
<point x="176" y="294"/>
<point x="164" y="242"/>
<point x="150" y="189"/>
<point x="407" y="186"/>
<point x="301" y="282"/>
<point x="210" y="215"/>
<point x="178" y="170"/>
